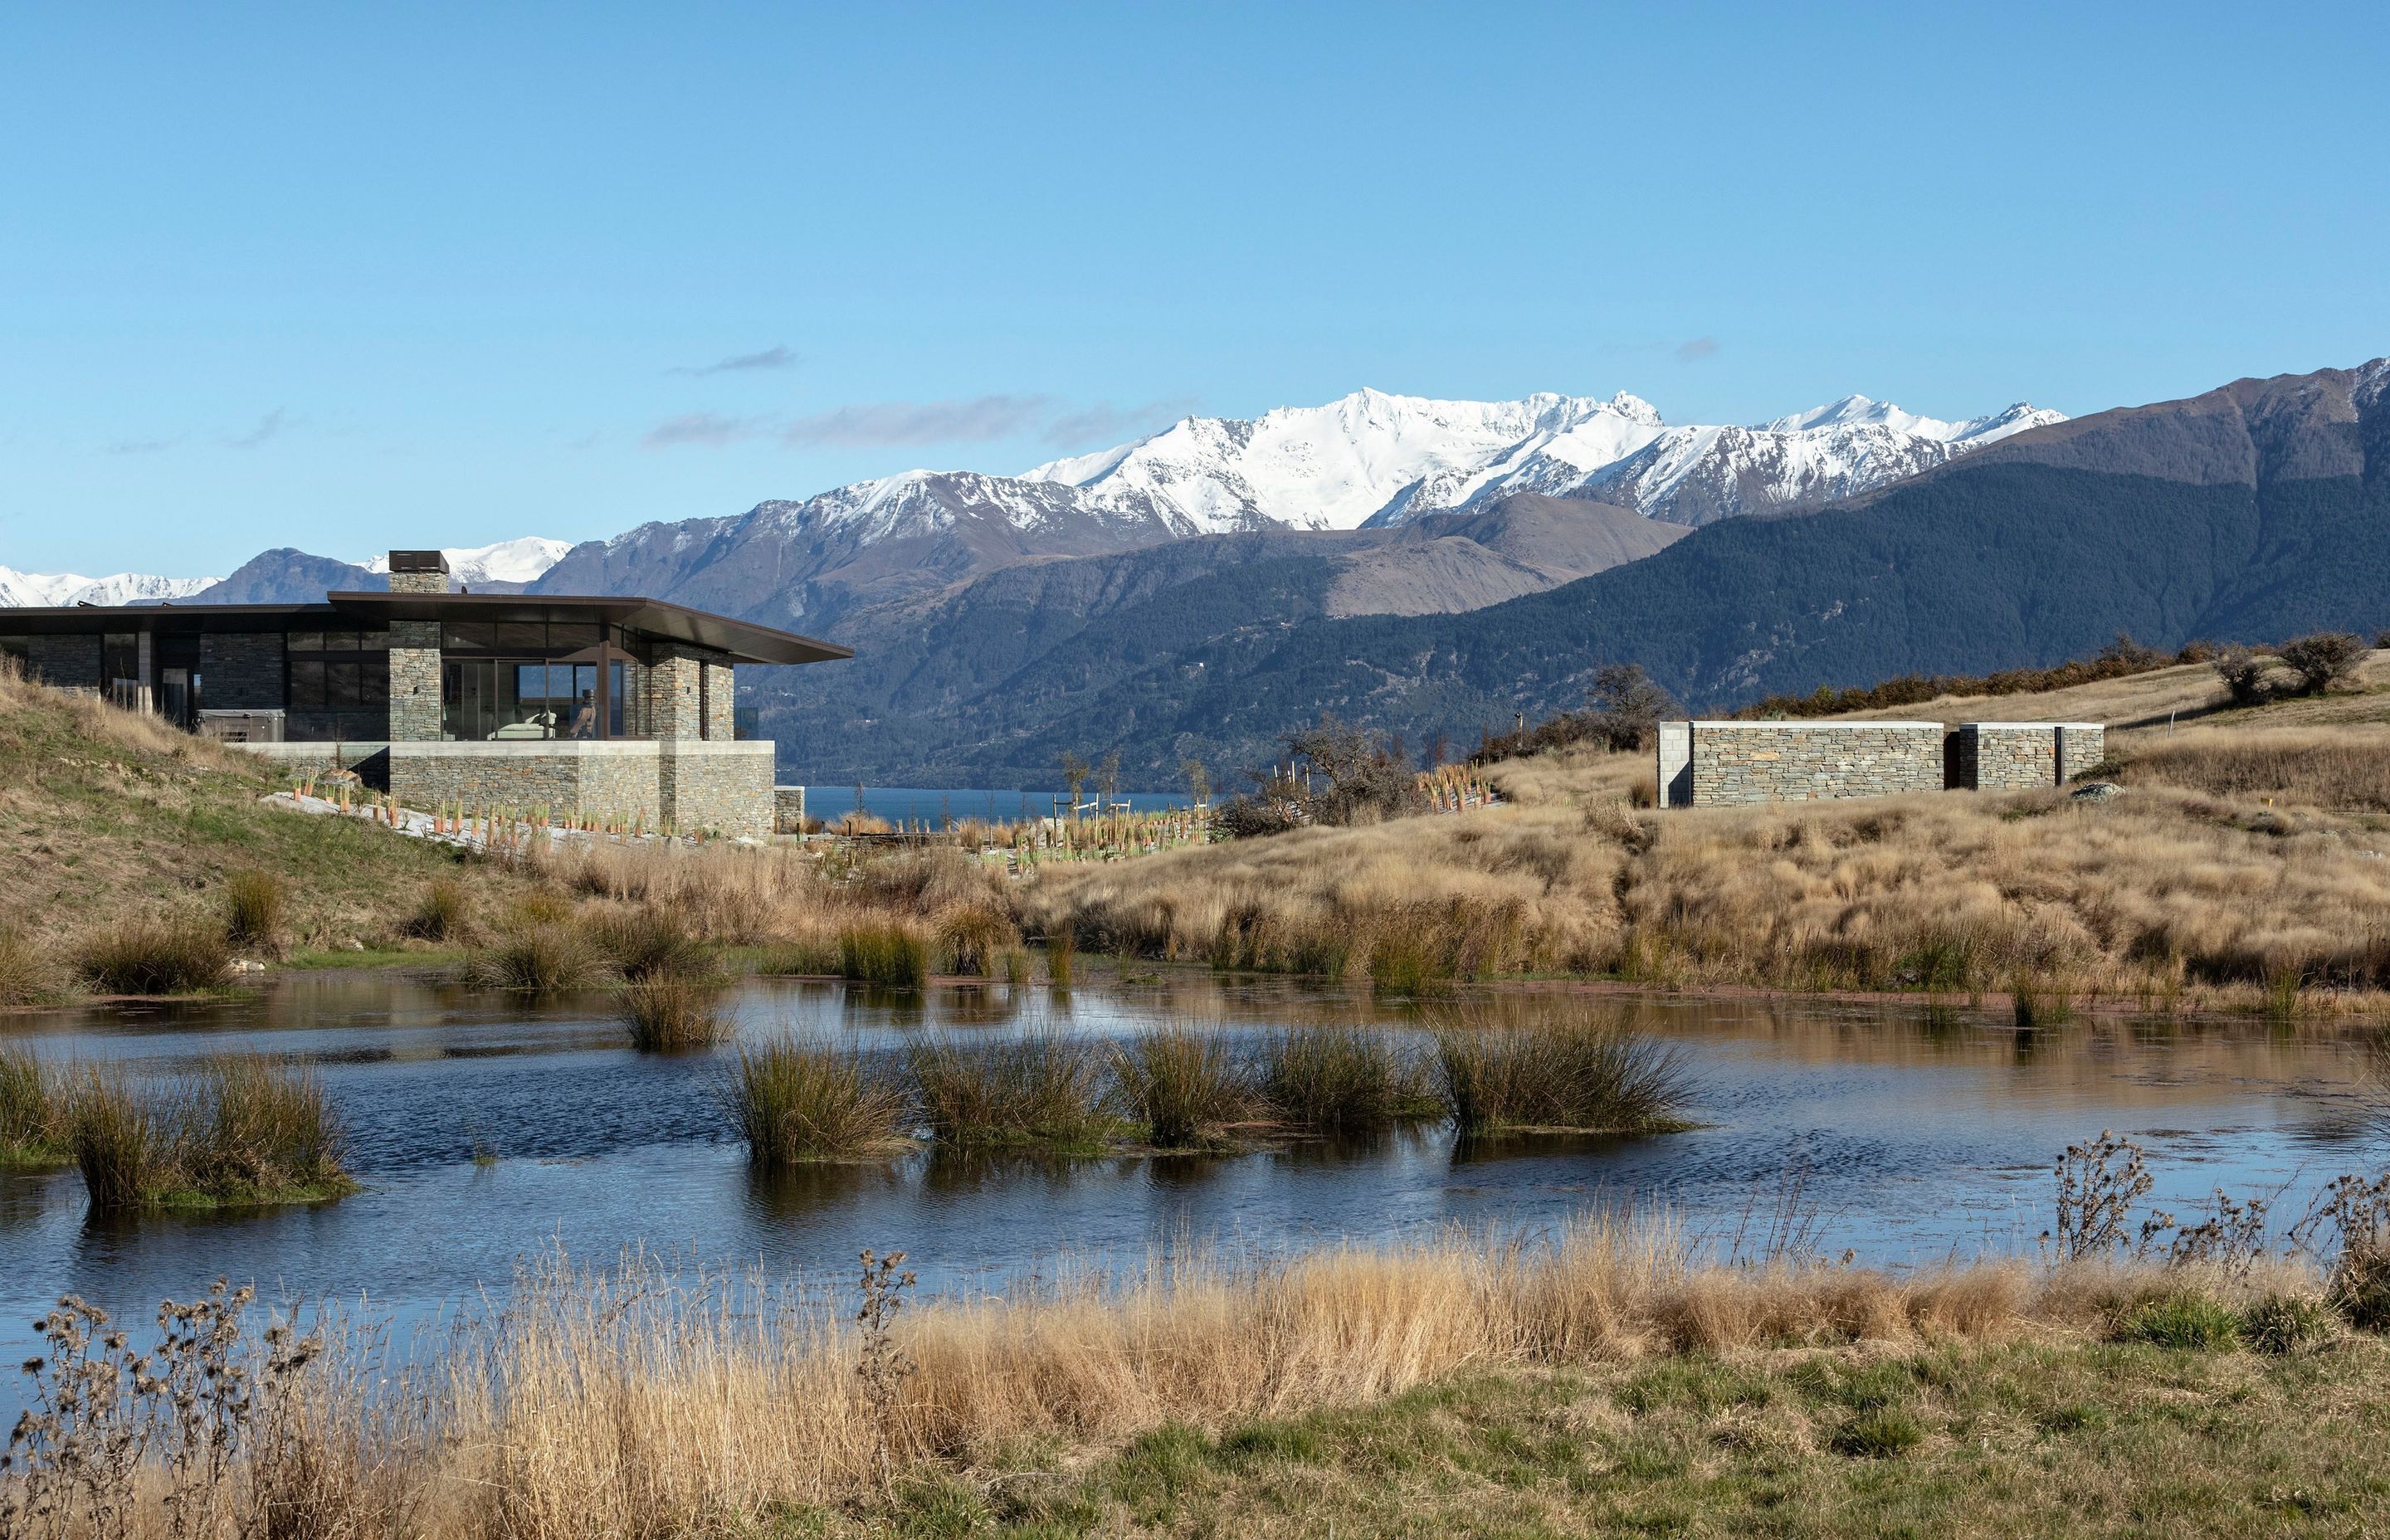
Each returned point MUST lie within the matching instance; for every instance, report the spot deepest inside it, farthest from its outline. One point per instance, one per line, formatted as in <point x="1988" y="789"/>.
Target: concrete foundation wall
<point x="2007" y="756"/>
<point x="1735" y="764"/>
<point x="1675" y="764"/>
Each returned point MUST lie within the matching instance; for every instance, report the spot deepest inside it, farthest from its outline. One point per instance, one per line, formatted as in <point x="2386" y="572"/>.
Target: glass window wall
<point x="520" y="697"/>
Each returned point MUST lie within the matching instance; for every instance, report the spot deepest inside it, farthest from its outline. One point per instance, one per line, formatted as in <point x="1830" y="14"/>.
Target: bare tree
<point x="1625" y="706"/>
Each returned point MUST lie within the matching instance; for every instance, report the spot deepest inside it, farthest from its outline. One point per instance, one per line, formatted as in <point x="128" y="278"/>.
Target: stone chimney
<point x="418" y="573"/>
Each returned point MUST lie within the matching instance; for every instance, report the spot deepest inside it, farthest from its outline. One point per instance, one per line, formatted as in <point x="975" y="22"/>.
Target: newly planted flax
<point x="801" y="1100"/>
<point x="1558" y="1073"/>
<point x="1037" y="1089"/>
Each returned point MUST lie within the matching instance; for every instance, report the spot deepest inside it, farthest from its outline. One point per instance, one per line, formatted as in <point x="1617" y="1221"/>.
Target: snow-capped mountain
<point x="34" y="590"/>
<point x="1698" y="475"/>
<point x="523" y="560"/>
<point x="1369" y="457"/>
<point x="1374" y="458"/>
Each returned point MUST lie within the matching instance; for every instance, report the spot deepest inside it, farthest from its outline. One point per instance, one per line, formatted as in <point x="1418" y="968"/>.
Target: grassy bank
<point x="112" y="822"/>
<point x="1604" y="1378"/>
<point x="2242" y="865"/>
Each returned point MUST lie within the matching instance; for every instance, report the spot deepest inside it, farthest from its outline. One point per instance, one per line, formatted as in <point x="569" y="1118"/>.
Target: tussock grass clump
<point x="1037" y="1089"/>
<point x="1062" y="957"/>
<point x="1558" y="1073"/>
<point x="973" y="936"/>
<point x="29" y="976"/>
<point x="1185" y="1083"/>
<point x="884" y="952"/>
<point x="545" y="957"/>
<point x="255" y="904"/>
<point x="1337" y="1079"/>
<point x="667" y="1011"/>
<point x="647" y="942"/>
<point x="236" y="1131"/>
<point x="2181" y="1318"/>
<point x="440" y="913"/>
<point x="31" y="1113"/>
<point x="803" y="1099"/>
<point x="157" y="954"/>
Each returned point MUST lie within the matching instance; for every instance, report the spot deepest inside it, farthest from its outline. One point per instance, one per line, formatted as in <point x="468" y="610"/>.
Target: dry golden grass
<point x="2188" y="888"/>
<point x="641" y="1402"/>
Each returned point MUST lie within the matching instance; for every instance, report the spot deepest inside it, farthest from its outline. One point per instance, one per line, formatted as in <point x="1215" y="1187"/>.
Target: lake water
<point x="914" y="804"/>
<point x="1907" y="1137"/>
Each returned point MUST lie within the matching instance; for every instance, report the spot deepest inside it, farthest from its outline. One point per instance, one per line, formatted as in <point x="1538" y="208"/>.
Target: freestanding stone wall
<point x="1739" y="763"/>
<point x="2007" y="756"/>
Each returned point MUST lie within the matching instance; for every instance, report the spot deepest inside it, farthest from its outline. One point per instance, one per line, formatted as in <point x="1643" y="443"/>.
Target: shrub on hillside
<point x="2323" y="658"/>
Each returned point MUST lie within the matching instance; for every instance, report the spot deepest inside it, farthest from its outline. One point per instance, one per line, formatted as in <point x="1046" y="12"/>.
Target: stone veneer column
<point x="721" y="724"/>
<point x="673" y="693"/>
<point x="415" y="681"/>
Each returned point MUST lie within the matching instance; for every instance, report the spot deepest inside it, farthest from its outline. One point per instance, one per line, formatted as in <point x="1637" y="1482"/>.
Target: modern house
<point x="603" y="707"/>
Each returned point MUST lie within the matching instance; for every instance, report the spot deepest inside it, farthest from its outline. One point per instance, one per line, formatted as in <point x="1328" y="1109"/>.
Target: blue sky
<point x="349" y="277"/>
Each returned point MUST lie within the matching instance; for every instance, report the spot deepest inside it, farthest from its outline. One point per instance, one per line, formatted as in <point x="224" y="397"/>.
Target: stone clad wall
<point x="600" y="779"/>
<point x="415" y="679"/>
<point x="720" y="786"/>
<point x="240" y="670"/>
<point x="68" y="662"/>
<point x="2009" y="756"/>
<point x="1737" y="764"/>
<point x="687" y="787"/>
<point x="788" y="810"/>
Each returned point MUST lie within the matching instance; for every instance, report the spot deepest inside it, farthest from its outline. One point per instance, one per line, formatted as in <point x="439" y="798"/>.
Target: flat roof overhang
<point x="742" y="640"/>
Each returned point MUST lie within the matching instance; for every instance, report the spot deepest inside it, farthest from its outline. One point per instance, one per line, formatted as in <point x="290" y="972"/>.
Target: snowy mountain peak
<point x="519" y="560"/>
<point x="37" y="590"/>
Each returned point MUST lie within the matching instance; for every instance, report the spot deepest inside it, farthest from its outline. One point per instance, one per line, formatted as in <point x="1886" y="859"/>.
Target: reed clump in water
<point x="1185" y="1084"/>
<point x="1037" y="1089"/>
<point x="1343" y="1079"/>
<point x="236" y="1131"/>
<point x="799" y="1099"/>
<point x="671" y="1011"/>
<point x="33" y="1113"/>
<point x="1559" y="1072"/>
<point x="884" y="952"/>
<point x="154" y="955"/>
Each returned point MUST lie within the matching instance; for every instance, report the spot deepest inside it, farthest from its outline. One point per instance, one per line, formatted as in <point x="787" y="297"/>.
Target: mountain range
<point x="1436" y="566"/>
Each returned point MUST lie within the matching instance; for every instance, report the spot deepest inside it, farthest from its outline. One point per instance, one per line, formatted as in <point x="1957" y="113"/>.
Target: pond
<point x="486" y="1127"/>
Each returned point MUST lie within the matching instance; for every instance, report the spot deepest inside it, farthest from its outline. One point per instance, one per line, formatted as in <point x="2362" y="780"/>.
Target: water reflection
<point x="489" y="1126"/>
